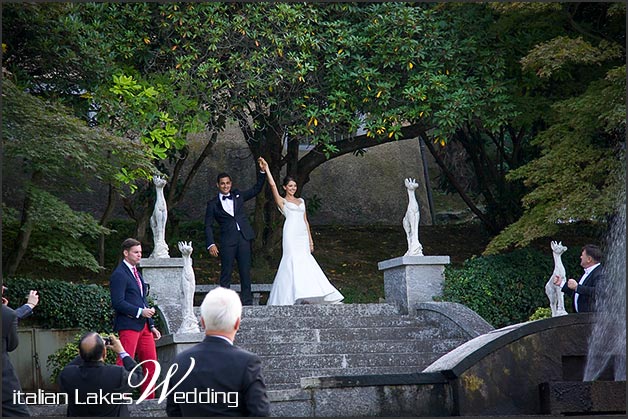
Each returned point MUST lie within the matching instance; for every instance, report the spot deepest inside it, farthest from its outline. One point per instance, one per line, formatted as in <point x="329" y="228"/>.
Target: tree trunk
<point x="138" y="209"/>
<point x="316" y="156"/>
<point x="142" y="225"/>
<point x="450" y="176"/>
<point x="175" y="194"/>
<point x="267" y="144"/>
<point x="111" y="203"/>
<point x="26" y="228"/>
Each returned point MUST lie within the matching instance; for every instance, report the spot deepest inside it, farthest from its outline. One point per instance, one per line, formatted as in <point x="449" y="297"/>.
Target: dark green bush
<point x="63" y="304"/>
<point x="507" y="288"/>
<point x="66" y="305"/>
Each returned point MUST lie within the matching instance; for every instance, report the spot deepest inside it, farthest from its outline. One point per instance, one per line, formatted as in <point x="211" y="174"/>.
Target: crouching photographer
<point x="95" y="388"/>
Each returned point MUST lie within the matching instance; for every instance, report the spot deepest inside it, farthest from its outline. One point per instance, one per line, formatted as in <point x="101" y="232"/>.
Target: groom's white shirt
<point x="227" y="205"/>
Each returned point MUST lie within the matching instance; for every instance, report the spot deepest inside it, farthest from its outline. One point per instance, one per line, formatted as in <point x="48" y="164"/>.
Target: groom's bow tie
<point x="227" y="197"/>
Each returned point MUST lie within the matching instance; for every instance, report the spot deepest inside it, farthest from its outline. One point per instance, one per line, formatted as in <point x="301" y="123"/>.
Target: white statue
<point x="555" y="295"/>
<point x="158" y="220"/>
<point x="411" y="221"/>
<point x="189" y="323"/>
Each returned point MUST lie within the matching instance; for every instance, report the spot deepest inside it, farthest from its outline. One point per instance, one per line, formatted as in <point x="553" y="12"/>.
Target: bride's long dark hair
<point x="287" y="180"/>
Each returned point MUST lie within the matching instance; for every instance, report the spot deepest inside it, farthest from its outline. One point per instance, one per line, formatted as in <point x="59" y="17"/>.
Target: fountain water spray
<point x="607" y="343"/>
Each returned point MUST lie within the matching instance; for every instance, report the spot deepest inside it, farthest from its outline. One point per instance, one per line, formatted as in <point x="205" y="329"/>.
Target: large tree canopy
<point x="580" y="172"/>
<point x="342" y="77"/>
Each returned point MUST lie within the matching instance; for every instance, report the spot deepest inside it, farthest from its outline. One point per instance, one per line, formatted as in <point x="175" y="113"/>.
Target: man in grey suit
<point x="10" y="382"/>
<point x="224" y="380"/>
<point x="32" y="299"/>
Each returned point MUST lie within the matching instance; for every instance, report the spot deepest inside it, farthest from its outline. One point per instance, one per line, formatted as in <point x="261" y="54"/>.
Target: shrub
<point x="506" y="288"/>
<point x="64" y="304"/>
<point x="541" y="313"/>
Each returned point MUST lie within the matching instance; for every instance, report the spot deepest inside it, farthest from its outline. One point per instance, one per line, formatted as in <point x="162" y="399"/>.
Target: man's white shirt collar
<point x="226" y="339"/>
<point x="128" y="264"/>
<point x="590" y="268"/>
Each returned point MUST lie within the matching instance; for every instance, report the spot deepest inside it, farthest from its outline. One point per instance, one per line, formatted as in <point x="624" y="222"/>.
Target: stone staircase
<point x="301" y="341"/>
<point x="358" y="343"/>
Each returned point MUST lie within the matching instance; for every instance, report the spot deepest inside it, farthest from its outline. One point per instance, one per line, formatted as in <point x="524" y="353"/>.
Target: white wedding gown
<point x="299" y="279"/>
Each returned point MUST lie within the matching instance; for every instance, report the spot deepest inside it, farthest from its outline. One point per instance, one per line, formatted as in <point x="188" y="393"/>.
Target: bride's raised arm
<point x="273" y="186"/>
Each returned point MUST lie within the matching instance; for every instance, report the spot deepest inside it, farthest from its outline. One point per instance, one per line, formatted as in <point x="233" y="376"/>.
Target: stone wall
<point x="356" y="190"/>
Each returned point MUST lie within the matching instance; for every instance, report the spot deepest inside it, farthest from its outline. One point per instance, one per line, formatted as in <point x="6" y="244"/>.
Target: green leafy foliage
<point x="64" y="304"/>
<point x="66" y="231"/>
<point x="559" y="52"/>
<point x="51" y="142"/>
<point x="320" y="71"/>
<point x="507" y="288"/>
<point x="581" y="171"/>
<point x="541" y="313"/>
<point x="60" y="236"/>
<point x="58" y="152"/>
<point x="140" y="110"/>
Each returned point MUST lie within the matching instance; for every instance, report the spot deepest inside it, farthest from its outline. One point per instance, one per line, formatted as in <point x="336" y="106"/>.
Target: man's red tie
<point x="137" y="278"/>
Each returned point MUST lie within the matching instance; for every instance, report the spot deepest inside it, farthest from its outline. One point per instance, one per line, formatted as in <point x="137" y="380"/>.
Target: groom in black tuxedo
<point x="227" y="209"/>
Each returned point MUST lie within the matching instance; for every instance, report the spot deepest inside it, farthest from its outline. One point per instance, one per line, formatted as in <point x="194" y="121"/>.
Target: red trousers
<point x="141" y="343"/>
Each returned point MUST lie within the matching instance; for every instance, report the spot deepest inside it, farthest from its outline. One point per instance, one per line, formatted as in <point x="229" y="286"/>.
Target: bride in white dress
<point x="299" y="279"/>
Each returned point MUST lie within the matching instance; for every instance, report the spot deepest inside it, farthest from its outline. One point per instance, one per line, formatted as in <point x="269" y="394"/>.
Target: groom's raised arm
<point x="257" y="188"/>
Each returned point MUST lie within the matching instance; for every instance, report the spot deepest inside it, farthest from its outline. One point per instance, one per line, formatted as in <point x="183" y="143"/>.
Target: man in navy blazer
<point x="583" y="291"/>
<point x="227" y="209"/>
<point x="216" y="377"/>
<point x="133" y="320"/>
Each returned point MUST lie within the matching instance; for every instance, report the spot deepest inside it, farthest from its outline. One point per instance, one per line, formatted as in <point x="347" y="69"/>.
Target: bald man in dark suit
<point x="90" y="375"/>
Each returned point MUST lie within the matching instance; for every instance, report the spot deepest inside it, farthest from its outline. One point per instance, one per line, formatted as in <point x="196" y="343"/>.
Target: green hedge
<point x="507" y="288"/>
<point x="63" y="304"/>
<point x="66" y="305"/>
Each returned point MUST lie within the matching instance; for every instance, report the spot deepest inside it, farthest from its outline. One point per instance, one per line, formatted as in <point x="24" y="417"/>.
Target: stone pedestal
<point x="163" y="275"/>
<point x="409" y="280"/>
<point x="171" y="345"/>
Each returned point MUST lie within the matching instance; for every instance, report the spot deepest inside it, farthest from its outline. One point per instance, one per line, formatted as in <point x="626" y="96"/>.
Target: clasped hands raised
<point x="572" y="284"/>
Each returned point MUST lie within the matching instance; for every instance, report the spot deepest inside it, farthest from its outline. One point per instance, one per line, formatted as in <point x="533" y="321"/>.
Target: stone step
<point x="246" y="337"/>
<point x="314" y="310"/>
<point x="329" y="322"/>
<point x="329" y="361"/>
<point x="440" y="346"/>
<point x="291" y="378"/>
